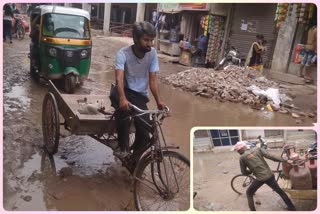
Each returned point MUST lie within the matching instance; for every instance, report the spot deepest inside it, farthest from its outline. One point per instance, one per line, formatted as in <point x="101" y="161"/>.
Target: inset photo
<point x="254" y="170"/>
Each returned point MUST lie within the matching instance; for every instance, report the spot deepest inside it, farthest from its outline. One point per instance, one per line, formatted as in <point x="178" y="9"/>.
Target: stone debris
<point x="27" y="198"/>
<point x="210" y="206"/>
<point x="258" y="202"/>
<point x="284" y="111"/>
<point x="295" y="115"/>
<point x="66" y="172"/>
<point x="232" y="85"/>
<point x="312" y="115"/>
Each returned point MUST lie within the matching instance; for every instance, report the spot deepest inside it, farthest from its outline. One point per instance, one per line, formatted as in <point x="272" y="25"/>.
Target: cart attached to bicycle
<point x="161" y="176"/>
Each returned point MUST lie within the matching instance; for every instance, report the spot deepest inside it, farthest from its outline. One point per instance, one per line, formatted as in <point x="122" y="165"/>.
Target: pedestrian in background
<point x="7" y="22"/>
<point x="254" y="59"/>
<point x="310" y="54"/>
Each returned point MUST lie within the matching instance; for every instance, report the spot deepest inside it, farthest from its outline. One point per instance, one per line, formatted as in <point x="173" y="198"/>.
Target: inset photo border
<point x="254" y="169"/>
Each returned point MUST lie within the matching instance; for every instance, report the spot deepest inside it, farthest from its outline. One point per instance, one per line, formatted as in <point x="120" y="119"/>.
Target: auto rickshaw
<point x="60" y="45"/>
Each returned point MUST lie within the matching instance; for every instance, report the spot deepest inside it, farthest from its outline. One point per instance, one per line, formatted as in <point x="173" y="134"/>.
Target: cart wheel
<point x="70" y="83"/>
<point x="50" y="124"/>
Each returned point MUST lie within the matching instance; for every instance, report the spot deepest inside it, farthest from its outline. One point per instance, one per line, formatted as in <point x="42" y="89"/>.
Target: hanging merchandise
<point x="206" y="25"/>
<point x="301" y="12"/>
<point x="290" y="9"/>
<point x="310" y="12"/>
<point x="216" y="33"/>
<point x="281" y="13"/>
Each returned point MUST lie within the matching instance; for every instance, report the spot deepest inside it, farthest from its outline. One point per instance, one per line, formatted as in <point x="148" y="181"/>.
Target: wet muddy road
<point x="98" y="182"/>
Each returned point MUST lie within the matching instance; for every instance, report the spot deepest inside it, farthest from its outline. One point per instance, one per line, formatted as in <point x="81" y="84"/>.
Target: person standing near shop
<point x="252" y="161"/>
<point x="7" y="22"/>
<point x="310" y="52"/>
<point x="254" y="58"/>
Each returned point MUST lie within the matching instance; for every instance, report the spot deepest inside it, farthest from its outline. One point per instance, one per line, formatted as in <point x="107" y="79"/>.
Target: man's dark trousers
<point x="123" y="119"/>
<point x="271" y="182"/>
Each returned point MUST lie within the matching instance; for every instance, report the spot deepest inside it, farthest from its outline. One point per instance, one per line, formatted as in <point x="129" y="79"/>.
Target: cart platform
<point x="84" y="124"/>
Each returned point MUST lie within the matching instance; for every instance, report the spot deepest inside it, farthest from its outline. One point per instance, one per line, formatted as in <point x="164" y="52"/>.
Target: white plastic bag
<point x="271" y="93"/>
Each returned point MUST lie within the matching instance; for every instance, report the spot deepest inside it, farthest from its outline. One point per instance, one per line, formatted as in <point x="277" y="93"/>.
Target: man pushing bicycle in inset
<point x="252" y="161"/>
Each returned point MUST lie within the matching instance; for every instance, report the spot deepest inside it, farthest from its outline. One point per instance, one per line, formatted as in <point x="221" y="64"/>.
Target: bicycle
<point x="240" y="183"/>
<point x="161" y="176"/>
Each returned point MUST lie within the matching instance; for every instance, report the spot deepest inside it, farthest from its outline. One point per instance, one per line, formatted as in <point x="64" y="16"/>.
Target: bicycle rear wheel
<point x="240" y="183"/>
<point x="163" y="185"/>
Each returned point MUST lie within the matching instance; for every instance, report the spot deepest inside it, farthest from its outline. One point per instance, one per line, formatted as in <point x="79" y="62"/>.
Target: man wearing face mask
<point x="136" y="68"/>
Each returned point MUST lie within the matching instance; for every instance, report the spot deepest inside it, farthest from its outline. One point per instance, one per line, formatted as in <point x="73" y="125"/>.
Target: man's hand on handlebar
<point x="161" y="105"/>
<point x="124" y="104"/>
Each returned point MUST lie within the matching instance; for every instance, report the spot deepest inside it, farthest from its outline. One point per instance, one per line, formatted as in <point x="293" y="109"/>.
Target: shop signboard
<point x="169" y="7"/>
<point x="177" y="7"/>
<point x="194" y="6"/>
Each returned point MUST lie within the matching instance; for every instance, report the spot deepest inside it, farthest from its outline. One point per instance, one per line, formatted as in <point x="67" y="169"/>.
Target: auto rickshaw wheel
<point x="20" y="32"/>
<point x="50" y="124"/>
<point x="70" y="83"/>
<point x="33" y="72"/>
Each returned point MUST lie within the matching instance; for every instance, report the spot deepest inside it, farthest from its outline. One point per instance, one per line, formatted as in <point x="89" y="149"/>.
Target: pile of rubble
<point x="236" y="84"/>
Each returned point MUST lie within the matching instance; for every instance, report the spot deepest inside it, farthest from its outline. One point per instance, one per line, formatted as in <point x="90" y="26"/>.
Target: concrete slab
<point x="295" y="68"/>
<point x="302" y="89"/>
<point x="284" y="77"/>
<point x="168" y="58"/>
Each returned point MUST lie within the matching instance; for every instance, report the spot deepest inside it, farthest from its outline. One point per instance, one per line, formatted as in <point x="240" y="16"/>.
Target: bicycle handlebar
<point x="157" y="111"/>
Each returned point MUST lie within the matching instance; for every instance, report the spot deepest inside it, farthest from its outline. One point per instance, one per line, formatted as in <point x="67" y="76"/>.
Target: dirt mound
<point x="234" y="84"/>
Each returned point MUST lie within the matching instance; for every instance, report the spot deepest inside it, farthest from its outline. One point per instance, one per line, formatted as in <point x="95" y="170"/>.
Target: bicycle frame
<point x="152" y="150"/>
<point x="155" y="153"/>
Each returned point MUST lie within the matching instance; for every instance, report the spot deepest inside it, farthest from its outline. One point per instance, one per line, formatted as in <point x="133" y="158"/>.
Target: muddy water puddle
<point x="43" y="187"/>
<point x="17" y="99"/>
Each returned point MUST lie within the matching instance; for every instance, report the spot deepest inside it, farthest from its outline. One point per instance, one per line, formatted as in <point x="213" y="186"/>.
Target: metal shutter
<point x="264" y="15"/>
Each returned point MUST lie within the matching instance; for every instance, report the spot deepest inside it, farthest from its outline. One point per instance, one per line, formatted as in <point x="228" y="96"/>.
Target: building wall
<point x="131" y="11"/>
<point x="252" y="134"/>
<point x="150" y="7"/>
<point x="203" y="141"/>
<point x="307" y="135"/>
<point x="219" y="9"/>
<point x="284" y="44"/>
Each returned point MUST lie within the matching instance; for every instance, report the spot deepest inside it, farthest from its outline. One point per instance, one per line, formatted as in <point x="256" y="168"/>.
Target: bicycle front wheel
<point x="163" y="185"/>
<point x="240" y="183"/>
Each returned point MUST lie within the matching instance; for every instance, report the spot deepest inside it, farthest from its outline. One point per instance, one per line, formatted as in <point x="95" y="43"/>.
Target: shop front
<point x="306" y="17"/>
<point x="180" y="28"/>
<point x="248" y="20"/>
<point x="293" y="33"/>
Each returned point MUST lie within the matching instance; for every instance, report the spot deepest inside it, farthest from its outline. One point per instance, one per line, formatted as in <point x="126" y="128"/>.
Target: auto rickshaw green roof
<point x="43" y="9"/>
